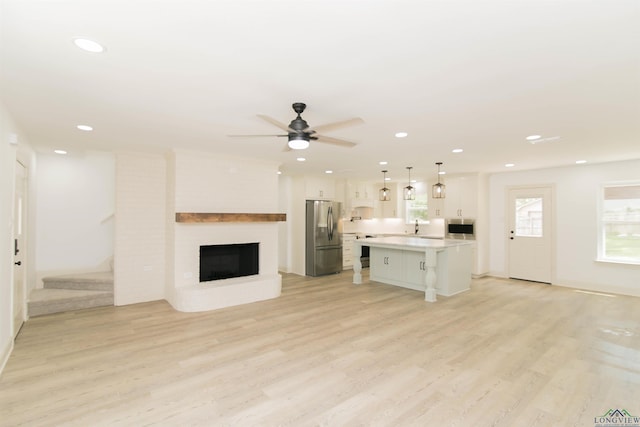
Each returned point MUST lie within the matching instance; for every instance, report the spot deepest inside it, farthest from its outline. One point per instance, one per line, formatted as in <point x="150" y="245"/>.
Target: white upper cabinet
<point x="359" y="190"/>
<point x="391" y="208"/>
<point x="461" y="200"/>
<point x="359" y="194"/>
<point x="435" y="206"/>
<point x="319" y="188"/>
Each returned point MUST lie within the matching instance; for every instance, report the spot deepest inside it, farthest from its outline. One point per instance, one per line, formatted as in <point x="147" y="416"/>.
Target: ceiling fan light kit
<point x="298" y="142"/>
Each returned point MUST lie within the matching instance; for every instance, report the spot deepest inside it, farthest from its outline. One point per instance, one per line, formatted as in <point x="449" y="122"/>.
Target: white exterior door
<point x="19" y="215"/>
<point x="529" y="234"/>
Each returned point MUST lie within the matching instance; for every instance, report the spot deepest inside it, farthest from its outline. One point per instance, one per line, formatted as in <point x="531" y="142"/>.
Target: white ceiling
<point x="477" y="75"/>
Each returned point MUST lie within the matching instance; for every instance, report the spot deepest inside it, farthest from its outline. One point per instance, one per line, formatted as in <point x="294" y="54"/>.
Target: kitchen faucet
<point x="417" y="226"/>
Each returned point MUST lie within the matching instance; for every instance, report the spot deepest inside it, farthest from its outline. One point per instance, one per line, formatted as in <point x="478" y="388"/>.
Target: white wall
<point x="76" y="204"/>
<point x="576" y="201"/>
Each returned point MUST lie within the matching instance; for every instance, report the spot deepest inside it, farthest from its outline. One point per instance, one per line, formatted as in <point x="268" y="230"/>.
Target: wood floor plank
<point x="330" y="353"/>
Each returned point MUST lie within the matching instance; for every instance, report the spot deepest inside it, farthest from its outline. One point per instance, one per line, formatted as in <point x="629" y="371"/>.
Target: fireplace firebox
<point x="219" y="262"/>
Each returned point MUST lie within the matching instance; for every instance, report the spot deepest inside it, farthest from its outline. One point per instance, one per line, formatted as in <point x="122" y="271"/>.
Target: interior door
<point x="19" y="215"/>
<point x="529" y="235"/>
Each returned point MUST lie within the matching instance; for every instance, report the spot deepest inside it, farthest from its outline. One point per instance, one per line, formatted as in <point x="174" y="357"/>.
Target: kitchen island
<point x="441" y="267"/>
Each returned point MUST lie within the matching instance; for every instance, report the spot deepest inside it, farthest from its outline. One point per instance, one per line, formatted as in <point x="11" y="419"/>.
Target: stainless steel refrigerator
<point x="324" y="238"/>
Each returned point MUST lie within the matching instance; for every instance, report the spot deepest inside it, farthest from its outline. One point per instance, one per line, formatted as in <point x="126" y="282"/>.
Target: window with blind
<point x="620" y="223"/>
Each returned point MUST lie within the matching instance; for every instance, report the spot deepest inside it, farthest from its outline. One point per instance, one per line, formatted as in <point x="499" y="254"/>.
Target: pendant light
<point x="385" y="193"/>
<point x="438" y="190"/>
<point x="409" y="191"/>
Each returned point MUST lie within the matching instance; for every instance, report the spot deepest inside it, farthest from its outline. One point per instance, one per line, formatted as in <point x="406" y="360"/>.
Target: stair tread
<point x="42" y="295"/>
<point x="97" y="277"/>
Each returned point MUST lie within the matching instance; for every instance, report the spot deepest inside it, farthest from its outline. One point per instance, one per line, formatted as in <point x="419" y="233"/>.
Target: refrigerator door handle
<point x="330" y="222"/>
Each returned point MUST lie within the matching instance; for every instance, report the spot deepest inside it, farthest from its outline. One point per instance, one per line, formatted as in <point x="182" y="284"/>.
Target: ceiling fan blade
<point x="338" y="125"/>
<point x="334" y="141"/>
<point x="252" y="136"/>
<point x="275" y="123"/>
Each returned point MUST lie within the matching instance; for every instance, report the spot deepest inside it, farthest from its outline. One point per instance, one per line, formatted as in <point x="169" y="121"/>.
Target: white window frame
<point x="408" y="204"/>
<point x="603" y="223"/>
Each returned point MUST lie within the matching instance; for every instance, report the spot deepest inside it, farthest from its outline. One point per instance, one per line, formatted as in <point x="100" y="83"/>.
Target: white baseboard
<point x="6" y="352"/>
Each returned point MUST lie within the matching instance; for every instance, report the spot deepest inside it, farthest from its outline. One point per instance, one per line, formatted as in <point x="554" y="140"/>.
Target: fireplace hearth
<point x="218" y="262"/>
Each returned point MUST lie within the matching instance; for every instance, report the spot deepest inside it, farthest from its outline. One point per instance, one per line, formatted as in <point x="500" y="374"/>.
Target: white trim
<point x="6" y="353"/>
<point x="600" y="256"/>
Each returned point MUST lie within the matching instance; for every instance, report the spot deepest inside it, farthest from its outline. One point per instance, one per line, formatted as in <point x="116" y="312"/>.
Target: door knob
<point x="18" y="263"/>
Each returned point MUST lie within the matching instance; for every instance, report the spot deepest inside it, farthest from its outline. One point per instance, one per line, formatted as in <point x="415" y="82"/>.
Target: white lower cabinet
<point x="415" y="269"/>
<point x="347" y="250"/>
<point x="387" y="262"/>
<point x="402" y="268"/>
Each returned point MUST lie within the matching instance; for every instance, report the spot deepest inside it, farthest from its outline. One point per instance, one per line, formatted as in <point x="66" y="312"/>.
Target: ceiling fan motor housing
<point x="299" y="125"/>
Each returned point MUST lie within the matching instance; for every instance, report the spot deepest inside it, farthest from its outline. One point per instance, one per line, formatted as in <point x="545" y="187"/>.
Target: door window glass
<point x="528" y="217"/>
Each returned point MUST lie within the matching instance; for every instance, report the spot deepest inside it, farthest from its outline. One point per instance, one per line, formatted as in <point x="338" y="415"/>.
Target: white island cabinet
<point x="441" y="267"/>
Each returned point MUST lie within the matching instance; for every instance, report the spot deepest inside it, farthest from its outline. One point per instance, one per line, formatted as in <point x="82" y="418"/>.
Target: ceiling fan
<point x="299" y="133"/>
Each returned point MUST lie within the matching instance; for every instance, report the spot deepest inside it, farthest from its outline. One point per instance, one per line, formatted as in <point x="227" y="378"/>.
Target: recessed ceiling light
<point x="88" y="45"/>
<point x="85" y="128"/>
<point x="59" y="151"/>
<point x="383" y="162"/>
<point x="387" y="179"/>
<point x="301" y="159"/>
<point x="580" y="162"/>
<point x="457" y="150"/>
<point x="539" y="140"/>
<point x="279" y="172"/>
<point x="401" y="134"/>
<point x="328" y="171"/>
<point x="442" y="173"/>
<point x="509" y="165"/>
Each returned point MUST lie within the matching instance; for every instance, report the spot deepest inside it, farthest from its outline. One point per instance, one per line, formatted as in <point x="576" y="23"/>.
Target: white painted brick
<point x="153" y="253"/>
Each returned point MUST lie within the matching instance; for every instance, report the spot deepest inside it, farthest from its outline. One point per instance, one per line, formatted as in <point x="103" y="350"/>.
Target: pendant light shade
<point x="438" y="190"/>
<point x="409" y="191"/>
<point x="385" y="193"/>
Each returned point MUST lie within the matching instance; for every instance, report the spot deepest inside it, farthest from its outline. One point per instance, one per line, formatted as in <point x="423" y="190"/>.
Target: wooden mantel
<point x="194" y="217"/>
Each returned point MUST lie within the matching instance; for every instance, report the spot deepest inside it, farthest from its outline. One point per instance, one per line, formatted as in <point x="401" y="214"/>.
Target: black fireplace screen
<point x="226" y="261"/>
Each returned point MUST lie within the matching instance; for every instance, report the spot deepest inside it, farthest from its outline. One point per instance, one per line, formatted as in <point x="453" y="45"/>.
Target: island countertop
<point x="410" y="242"/>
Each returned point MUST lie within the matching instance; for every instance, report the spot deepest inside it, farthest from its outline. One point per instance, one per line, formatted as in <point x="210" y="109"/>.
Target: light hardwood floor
<point x="330" y="353"/>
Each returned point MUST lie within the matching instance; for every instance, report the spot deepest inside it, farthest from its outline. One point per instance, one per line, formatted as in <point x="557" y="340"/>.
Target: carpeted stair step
<point x="48" y="301"/>
<point x="100" y="281"/>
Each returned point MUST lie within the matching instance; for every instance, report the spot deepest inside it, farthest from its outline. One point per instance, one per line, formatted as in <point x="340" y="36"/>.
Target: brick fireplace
<point x="190" y="294"/>
<point x="229" y="214"/>
<point x="168" y="206"/>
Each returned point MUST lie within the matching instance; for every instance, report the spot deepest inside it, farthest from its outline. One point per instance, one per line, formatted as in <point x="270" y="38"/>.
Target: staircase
<point x="72" y="292"/>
